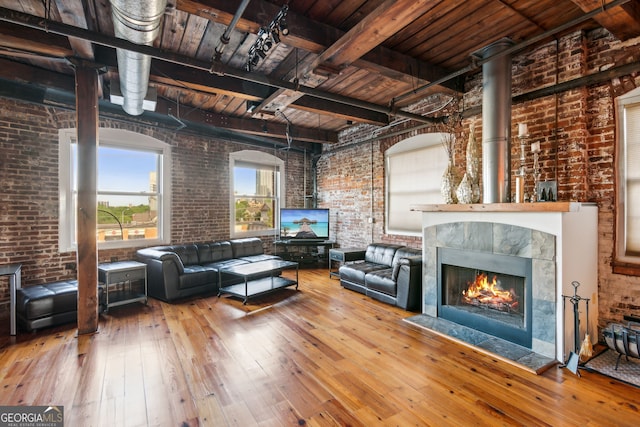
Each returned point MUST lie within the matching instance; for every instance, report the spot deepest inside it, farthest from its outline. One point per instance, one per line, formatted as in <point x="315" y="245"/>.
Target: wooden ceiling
<point x="343" y="62"/>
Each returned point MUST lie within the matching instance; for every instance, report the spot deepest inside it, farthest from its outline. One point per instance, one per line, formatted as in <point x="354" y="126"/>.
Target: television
<point x="304" y="224"/>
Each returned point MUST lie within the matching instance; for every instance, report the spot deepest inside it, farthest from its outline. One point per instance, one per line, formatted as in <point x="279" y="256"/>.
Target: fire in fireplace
<point x="486" y="291"/>
<point x="489" y="294"/>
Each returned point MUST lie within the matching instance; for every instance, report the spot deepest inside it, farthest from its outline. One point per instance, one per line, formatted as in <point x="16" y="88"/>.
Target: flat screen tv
<point x="307" y="224"/>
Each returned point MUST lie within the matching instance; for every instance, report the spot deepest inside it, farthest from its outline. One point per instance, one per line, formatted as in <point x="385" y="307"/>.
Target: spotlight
<point x="251" y="105"/>
<point x="254" y="60"/>
<point x="261" y="53"/>
<point x="284" y="29"/>
<point x="267" y="45"/>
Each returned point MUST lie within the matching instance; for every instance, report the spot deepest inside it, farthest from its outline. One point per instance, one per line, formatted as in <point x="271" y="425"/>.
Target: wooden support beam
<point x="86" y="214"/>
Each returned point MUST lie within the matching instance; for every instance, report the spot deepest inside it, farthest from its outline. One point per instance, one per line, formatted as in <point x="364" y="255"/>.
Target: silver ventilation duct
<point x="138" y="22"/>
<point x="496" y="124"/>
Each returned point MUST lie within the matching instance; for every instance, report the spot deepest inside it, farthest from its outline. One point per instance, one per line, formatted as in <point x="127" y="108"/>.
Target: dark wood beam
<point x="622" y="21"/>
<point x="252" y="126"/>
<point x="86" y="214"/>
<point x="315" y="37"/>
<point x="206" y="82"/>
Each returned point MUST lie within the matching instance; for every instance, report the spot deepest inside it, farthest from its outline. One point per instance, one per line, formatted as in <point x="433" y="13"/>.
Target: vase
<point x="450" y="181"/>
<point x="464" y="191"/>
<point x="473" y="166"/>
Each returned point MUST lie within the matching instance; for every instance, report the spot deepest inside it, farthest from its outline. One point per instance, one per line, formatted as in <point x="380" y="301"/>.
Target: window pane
<point x="126" y="170"/>
<point x="254" y="182"/>
<point x="632" y="178"/>
<point x="254" y="214"/>
<point x="126" y="218"/>
<point x="413" y="177"/>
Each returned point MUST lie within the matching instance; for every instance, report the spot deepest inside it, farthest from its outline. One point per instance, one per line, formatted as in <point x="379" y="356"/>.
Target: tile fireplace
<point x="534" y="251"/>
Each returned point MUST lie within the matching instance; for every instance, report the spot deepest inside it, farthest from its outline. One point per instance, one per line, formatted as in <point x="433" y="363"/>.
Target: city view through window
<point x="255" y="198"/>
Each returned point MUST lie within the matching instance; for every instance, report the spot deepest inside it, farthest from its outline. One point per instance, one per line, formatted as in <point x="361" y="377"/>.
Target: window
<point x="132" y="190"/>
<point x="256" y="186"/>
<point x="414" y="169"/>
<point x="628" y="184"/>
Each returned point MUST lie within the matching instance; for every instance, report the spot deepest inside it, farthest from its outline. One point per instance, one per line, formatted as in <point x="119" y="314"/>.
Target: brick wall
<point x="29" y="200"/>
<point x="576" y="130"/>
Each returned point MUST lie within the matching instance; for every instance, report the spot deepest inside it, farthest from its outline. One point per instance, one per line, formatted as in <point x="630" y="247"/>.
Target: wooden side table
<point x="344" y="255"/>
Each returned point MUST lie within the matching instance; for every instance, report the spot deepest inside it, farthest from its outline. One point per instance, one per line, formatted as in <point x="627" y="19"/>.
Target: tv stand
<point x="304" y="251"/>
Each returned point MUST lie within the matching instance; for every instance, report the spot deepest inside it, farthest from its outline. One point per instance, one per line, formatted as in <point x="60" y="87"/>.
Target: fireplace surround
<point x="560" y="239"/>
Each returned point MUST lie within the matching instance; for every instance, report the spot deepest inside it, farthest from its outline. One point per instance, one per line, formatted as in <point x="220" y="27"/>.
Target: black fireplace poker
<point x="572" y="362"/>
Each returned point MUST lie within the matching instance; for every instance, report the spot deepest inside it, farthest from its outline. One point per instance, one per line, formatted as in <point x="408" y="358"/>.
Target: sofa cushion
<point x="356" y="272"/>
<point x="247" y="247"/>
<point x="196" y="275"/>
<point x="188" y="254"/>
<point x="214" y="251"/>
<point x="402" y="253"/>
<point x="40" y="301"/>
<point x="382" y="281"/>
<point x="381" y="253"/>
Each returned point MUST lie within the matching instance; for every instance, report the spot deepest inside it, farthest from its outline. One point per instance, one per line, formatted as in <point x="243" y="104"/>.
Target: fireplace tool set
<point x="582" y="351"/>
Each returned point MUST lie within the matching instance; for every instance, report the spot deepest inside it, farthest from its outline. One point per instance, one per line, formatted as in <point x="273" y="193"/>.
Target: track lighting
<point x="275" y="35"/>
<point x="284" y="29"/>
<point x="267" y="37"/>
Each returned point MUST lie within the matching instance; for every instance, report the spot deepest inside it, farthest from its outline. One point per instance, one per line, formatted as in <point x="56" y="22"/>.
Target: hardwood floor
<point x="319" y="356"/>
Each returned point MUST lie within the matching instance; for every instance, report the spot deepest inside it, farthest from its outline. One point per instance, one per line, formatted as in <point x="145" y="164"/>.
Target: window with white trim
<point x="414" y="169"/>
<point x="256" y="189"/>
<point x="628" y="184"/>
<point x="133" y="187"/>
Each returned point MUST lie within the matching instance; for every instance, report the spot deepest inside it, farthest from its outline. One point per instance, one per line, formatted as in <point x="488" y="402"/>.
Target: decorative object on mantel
<point x="451" y="176"/>
<point x="547" y="191"/>
<point x="473" y="166"/>
<point x="464" y="193"/>
<point x="523" y="135"/>
<point x="535" y="149"/>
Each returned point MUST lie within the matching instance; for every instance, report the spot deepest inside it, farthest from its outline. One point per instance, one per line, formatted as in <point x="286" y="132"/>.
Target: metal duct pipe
<point x="225" y="37"/>
<point x="496" y="124"/>
<point x="138" y="22"/>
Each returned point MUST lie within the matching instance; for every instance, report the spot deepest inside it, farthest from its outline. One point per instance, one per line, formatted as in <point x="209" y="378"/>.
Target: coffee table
<point x="259" y="278"/>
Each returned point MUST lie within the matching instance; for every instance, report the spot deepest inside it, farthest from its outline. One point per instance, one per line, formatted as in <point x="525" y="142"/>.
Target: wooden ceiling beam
<point x="622" y="21"/>
<point x="214" y="84"/>
<point x="315" y="37"/>
<point x="253" y="126"/>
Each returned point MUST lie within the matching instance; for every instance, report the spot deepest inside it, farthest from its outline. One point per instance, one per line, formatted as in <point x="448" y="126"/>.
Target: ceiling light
<point x="275" y="35"/>
<point x="267" y="45"/>
<point x="261" y="53"/>
<point x="284" y="29"/>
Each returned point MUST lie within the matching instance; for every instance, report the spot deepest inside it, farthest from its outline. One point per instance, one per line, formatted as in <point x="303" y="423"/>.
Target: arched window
<point x="256" y="189"/>
<point x="133" y="189"/>
<point x="627" y="246"/>
<point x="414" y="169"/>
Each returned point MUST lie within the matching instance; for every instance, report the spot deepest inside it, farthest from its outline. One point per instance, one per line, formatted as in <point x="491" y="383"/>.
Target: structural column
<point x="87" y="252"/>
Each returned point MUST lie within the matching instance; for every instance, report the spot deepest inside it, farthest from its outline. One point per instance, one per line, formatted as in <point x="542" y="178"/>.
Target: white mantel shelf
<point x="504" y="207"/>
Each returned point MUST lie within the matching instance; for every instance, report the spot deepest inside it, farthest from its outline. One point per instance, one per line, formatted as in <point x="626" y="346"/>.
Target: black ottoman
<point x="47" y="305"/>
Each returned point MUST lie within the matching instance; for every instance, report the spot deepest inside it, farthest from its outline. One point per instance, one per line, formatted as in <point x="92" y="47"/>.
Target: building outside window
<point x="132" y="188"/>
<point x="256" y="187"/>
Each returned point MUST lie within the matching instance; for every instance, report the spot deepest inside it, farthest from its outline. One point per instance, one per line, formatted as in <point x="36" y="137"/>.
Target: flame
<point x="485" y="292"/>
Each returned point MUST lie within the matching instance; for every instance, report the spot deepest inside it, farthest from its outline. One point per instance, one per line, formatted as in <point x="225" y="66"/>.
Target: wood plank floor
<point x="319" y="356"/>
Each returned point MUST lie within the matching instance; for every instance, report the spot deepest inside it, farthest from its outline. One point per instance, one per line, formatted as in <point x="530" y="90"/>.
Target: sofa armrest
<point x="409" y="283"/>
<point x="145" y="255"/>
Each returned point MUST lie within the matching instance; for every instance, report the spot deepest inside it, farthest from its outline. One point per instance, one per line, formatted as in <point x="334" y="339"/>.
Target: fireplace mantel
<point x="504" y="207"/>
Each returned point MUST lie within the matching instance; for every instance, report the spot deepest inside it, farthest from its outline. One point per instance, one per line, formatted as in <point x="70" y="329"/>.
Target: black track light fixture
<point x="267" y="37"/>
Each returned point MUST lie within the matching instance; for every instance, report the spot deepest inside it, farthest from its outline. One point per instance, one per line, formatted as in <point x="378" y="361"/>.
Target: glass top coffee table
<point x="259" y="278"/>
